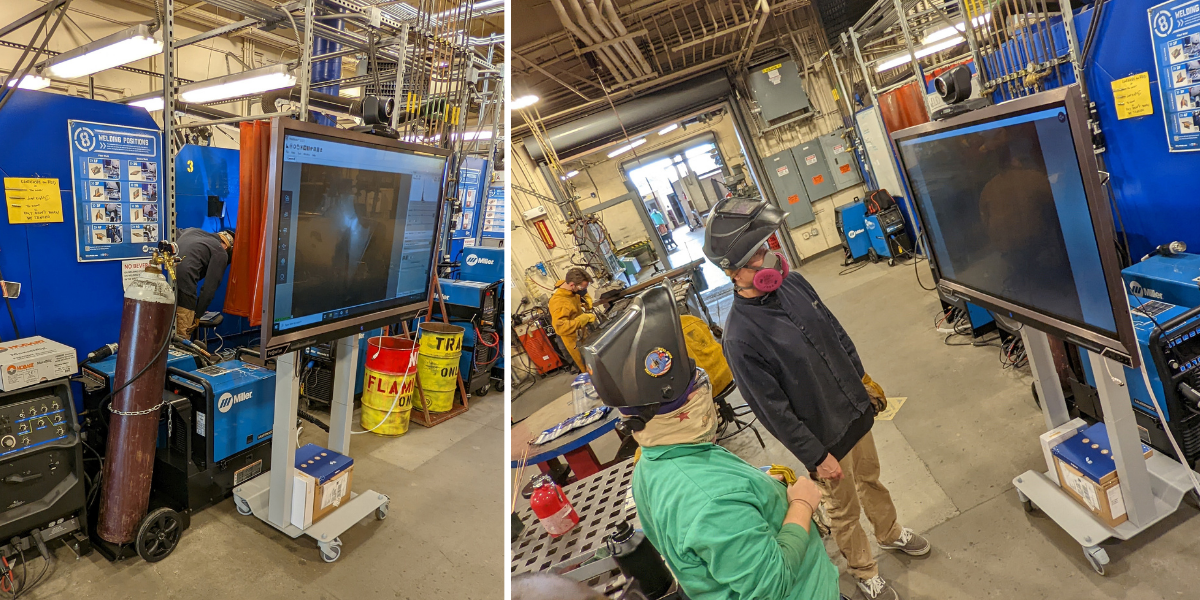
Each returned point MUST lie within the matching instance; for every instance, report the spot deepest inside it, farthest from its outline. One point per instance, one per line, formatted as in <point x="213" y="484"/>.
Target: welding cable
<point x="311" y="418"/>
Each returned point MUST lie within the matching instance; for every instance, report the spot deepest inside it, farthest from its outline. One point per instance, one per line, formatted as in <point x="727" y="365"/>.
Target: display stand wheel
<point x="331" y="551"/>
<point x="1097" y="557"/>
<point x="242" y="506"/>
<point x="158" y="534"/>
<point x="382" y="512"/>
<point x="482" y="390"/>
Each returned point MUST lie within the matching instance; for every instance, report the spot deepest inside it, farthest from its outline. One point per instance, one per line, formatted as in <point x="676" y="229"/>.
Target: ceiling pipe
<point x="611" y="11"/>
<point x="569" y="25"/>
<point x="594" y="37"/>
<point x="602" y="25"/>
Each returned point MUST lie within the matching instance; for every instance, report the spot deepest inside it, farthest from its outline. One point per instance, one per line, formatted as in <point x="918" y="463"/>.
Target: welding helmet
<point x="737" y="228"/>
<point x="639" y="361"/>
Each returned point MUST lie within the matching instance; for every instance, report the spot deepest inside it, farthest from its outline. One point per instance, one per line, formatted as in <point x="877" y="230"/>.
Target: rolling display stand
<point x="269" y="496"/>
<point x="1151" y="487"/>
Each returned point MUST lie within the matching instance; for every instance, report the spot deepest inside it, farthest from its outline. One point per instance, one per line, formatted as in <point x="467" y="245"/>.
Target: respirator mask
<point x="769" y="275"/>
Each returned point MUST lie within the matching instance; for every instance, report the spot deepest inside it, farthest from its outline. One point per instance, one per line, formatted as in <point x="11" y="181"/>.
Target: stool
<point x="727" y="415"/>
<point x="210" y="321"/>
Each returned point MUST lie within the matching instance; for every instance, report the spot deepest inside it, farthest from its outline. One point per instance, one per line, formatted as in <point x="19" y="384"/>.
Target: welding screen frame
<point x="275" y="344"/>
<point x="1069" y="98"/>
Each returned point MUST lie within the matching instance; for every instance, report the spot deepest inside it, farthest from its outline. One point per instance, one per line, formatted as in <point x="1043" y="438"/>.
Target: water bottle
<point x="583" y="394"/>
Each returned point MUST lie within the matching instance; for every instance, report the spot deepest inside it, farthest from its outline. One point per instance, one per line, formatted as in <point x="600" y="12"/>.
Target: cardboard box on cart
<point x="1087" y="471"/>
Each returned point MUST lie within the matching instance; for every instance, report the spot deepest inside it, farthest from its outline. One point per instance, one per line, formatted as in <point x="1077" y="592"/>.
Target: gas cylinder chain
<point x="136" y="413"/>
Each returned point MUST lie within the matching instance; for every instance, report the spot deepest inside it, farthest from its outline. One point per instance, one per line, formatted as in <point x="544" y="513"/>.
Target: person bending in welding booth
<point x="801" y="375"/>
<point x="567" y="306"/>
<point x="205" y="256"/>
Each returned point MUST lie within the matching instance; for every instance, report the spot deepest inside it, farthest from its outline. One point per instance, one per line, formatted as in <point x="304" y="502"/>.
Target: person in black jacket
<point x="205" y="256"/>
<point x="801" y="375"/>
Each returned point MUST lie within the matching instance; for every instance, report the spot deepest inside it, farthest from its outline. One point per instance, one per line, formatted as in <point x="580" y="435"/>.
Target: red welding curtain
<point x="244" y="294"/>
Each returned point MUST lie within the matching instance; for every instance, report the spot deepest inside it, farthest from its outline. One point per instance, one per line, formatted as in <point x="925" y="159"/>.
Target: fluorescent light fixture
<point x="246" y="83"/>
<point x="947" y="32"/>
<point x="668" y="129"/>
<point x="151" y="101"/>
<point x="569" y="175"/>
<point x="523" y="102"/>
<point x="354" y="92"/>
<point x="904" y="58"/>
<point x="30" y="82"/>
<point x="471" y="136"/>
<point x="626" y="148"/>
<point x="487" y="4"/>
<point x="123" y="47"/>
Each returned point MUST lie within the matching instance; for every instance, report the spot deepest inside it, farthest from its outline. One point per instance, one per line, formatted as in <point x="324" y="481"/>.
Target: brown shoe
<point x="909" y="543"/>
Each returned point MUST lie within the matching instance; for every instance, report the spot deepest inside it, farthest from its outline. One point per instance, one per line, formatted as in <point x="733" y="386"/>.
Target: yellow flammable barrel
<point x="388" y="383"/>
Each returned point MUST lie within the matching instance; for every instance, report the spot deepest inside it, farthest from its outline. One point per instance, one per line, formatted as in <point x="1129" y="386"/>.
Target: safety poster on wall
<point x="494" y="222"/>
<point x="1175" y="33"/>
<point x="117" y="180"/>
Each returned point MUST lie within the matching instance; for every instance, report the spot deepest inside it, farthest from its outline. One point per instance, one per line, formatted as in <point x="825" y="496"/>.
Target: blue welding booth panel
<point x="482" y="264"/>
<point x="1154" y="188"/>
<point x="78" y="304"/>
<point x="243" y="407"/>
<point x="854" y="228"/>
<point x="200" y="172"/>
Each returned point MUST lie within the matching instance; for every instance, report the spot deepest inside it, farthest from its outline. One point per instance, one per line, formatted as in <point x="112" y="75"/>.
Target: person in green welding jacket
<point x="728" y="530"/>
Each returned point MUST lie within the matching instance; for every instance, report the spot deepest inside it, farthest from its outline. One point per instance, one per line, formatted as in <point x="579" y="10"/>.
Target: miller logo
<point x="855" y="232"/>
<point x="1136" y="289"/>
<point x="474" y="259"/>
<point x="12" y="369"/>
<point x="227" y="400"/>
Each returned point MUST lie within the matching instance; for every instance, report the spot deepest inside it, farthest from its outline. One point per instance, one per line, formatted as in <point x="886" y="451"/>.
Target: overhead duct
<point x="607" y="31"/>
<point x="611" y="11"/>
<point x="594" y="131"/>
<point x="603" y="54"/>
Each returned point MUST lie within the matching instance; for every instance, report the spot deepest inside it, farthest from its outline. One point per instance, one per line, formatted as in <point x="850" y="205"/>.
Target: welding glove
<point x="875" y="391"/>
<point x="584" y="319"/>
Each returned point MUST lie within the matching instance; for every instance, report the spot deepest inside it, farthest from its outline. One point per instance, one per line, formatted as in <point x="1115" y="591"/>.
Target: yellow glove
<point x="789" y="476"/>
<point x="585" y="318"/>
<point x="875" y="391"/>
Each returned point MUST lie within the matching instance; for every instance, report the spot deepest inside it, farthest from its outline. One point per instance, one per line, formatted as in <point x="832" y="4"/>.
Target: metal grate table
<point x="602" y="500"/>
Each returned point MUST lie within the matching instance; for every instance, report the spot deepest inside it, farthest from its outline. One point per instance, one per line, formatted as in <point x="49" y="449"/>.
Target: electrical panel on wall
<point x="778" y="88"/>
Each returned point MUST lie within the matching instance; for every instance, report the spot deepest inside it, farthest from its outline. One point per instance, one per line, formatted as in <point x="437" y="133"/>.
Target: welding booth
<point x="1132" y="359"/>
<point x="221" y="416"/>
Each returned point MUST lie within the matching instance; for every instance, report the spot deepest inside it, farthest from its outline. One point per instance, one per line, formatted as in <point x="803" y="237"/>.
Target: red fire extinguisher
<point x="552" y="508"/>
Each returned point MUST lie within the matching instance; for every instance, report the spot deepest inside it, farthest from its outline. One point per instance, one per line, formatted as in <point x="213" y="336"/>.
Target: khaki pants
<point x="859" y="491"/>
<point x="186" y="322"/>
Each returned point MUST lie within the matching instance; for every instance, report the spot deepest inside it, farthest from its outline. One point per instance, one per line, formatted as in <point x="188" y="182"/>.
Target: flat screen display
<point x="1007" y="213"/>
<point x="357" y="224"/>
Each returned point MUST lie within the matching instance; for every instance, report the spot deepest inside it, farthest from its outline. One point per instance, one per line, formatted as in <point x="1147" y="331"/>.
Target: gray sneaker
<point x="876" y="588"/>
<point x="909" y="543"/>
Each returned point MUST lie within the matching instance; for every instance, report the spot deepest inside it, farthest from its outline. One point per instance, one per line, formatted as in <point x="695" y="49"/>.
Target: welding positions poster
<point x="118" y="199"/>
<point x="1175" y="33"/>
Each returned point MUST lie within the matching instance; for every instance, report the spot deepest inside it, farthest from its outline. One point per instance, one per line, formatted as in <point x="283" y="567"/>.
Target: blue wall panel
<point x="78" y="304"/>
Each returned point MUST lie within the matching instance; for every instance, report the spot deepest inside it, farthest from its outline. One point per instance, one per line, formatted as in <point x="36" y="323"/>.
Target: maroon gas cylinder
<point x="133" y="422"/>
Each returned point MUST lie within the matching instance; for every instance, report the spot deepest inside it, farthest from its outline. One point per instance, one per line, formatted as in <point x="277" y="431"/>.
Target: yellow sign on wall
<point x="1132" y="96"/>
<point x="32" y="200"/>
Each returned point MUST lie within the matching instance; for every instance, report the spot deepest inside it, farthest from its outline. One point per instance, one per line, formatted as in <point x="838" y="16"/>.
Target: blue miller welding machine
<point x="475" y="302"/>
<point x="852" y="227"/>
<point x="1160" y="289"/>
<point x="215" y="433"/>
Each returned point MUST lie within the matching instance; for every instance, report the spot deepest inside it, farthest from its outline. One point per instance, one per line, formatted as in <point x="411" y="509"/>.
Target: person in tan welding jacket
<point x="567" y="310"/>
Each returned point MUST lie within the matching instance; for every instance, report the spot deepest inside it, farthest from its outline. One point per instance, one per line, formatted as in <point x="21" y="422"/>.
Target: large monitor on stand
<point x="1012" y="203"/>
<point x="350" y="244"/>
<point x="352" y="222"/>
<point x="1016" y="218"/>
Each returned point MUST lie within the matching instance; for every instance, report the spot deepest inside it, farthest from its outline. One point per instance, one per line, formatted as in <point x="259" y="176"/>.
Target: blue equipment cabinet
<point x="475" y="303"/>
<point x="1162" y="288"/>
<point x="852" y="227"/>
<point x="215" y="433"/>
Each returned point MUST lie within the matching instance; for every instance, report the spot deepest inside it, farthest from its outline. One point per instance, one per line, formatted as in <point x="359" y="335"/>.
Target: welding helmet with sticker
<point x="737" y="228"/>
<point x="639" y="360"/>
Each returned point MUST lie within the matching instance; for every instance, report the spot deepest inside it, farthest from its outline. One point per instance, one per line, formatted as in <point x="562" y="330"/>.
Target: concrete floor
<point x="443" y="537"/>
<point x="968" y="427"/>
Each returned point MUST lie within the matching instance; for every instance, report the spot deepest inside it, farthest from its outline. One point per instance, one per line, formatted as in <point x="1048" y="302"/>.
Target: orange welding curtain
<point x="244" y="294"/>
